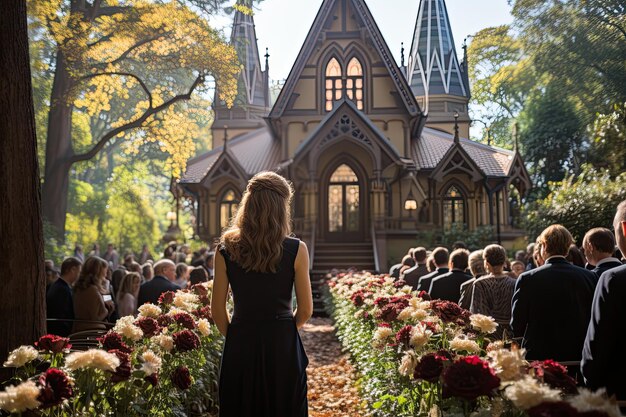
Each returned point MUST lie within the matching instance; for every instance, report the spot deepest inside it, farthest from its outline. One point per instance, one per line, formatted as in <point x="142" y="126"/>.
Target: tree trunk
<point x="58" y="150"/>
<point x="22" y="299"/>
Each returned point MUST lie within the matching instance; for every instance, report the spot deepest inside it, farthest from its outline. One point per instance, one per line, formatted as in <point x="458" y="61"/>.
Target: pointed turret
<point x="436" y="77"/>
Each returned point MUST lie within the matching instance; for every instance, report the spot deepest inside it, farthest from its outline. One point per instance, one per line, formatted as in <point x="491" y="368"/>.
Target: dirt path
<point x="332" y="391"/>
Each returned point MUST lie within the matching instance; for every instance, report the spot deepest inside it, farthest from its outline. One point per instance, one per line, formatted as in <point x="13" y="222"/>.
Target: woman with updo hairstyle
<point x="493" y="292"/>
<point x="263" y="361"/>
<point x="89" y="293"/>
<point x="476" y="265"/>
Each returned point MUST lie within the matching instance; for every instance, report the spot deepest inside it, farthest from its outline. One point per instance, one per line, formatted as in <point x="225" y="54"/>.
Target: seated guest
<point x="59" y="302"/>
<point x="448" y="286"/>
<point x="126" y="297"/>
<point x="599" y="245"/>
<point x="412" y="275"/>
<point x="163" y="281"/>
<point x="440" y="258"/>
<point x="517" y="268"/>
<point x="552" y="304"/>
<point x="182" y="275"/>
<point x="89" y="302"/>
<point x="407" y="263"/>
<point x="198" y="275"/>
<point x="147" y="271"/>
<point x="575" y="256"/>
<point x="477" y="269"/>
<point x="493" y="292"/>
<point x="604" y="364"/>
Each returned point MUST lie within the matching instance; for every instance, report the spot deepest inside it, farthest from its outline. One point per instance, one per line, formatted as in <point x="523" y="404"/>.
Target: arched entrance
<point x="344" y="206"/>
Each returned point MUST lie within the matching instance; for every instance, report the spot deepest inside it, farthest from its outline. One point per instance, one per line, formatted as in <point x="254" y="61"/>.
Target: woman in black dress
<point x="263" y="371"/>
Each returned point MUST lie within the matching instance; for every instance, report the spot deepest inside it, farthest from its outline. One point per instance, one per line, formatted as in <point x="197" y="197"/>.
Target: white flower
<point x="406" y="314"/>
<point x="204" y="327"/>
<point x="164" y="342"/>
<point x="16" y="399"/>
<point x="380" y="336"/>
<point x="594" y="401"/>
<point x="186" y="301"/>
<point x="21" y="356"/>
<point x="151" y="362"/>
<point x="149" y="310"/>
<point x="508" y="364"/>
<point x="420" y="336"/>
<point x="175" y="310"/>
<point x="408" y="364"/>
<point x="460" y="344"/>
<point x="126" y="327"/>
<point x="92" y="358"/>
<point x="528" y="392"/>
<point x="483" y="323"/>
<point x="419" y="314"/>
<point x="359" y="313"/>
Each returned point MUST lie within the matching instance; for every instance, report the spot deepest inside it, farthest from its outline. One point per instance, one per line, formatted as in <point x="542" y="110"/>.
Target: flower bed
<point x="421" y="357"/>
<point x="164" y="362"/>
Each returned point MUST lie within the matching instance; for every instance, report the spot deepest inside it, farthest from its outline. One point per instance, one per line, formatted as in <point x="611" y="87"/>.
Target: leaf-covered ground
<point x="332" y="390"/>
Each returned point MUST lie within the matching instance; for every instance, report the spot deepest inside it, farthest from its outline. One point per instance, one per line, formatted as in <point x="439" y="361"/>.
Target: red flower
<point x="200" y="290"/>
<point x="186" y="340"/>
<point x="555" y="375"/>
<point x="429" y="367"/>
<point x="166" y="298"/>
<point x="358" y="298"/>
<point x="123" y="371"/>
<point x="113" y="341"/>
<point x="205" y="313"/>
<point x="399" y="283"/>
<point x="181" y="378"/>
<point x="552" y="409"/>
<point x="449" y="312"/>
<point x="469" y="378"/>
<point x="53" y="343"/>
<point x="55" y="387"/>
<point x="424" y="295"/>
<point x="149" y="326"/>
<point x="185" y="320"/>
<point x="165" y="320"/>
<point x="403" y="336"/>
<point x="152" y="379"/>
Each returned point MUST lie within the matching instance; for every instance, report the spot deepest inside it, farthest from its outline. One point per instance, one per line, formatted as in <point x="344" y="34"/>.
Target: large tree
<point x="146" y="56"/>
<point x="22" y="312"/>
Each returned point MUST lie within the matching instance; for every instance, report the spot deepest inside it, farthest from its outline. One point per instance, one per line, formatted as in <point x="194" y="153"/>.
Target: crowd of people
<point x="558" y="301"/>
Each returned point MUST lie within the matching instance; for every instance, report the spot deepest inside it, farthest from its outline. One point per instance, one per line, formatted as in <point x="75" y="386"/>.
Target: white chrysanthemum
<point x="390" y="280"/>
<point x="419" y="304"/>
<point x="126" y="327"/>
<point x="164" y="342"/>
<point x="528" y="392"/>
<point x="92" y="358"/>
<point x="175" y="310"/>
<point x="151" y="362"/>
<point x="508" y="364"/>
<point x="460" y="344"/>
<point x="369" y="301"/>
<point x="483" y="323"/>
<point x="419" y="314"/>
<point x="16" y="399"/>
<point x="406" y="314"/>
<point x="21" y="356"/>
<point x="587" y="400"/>
<point x="359" y="313"/>
<point x="408" y="364"/>
<point x="382" y="333"/>
<point x="204" y="327"/>
<point x="150" y="310"/>
<point x="186" y="301"/>
<point x="420" y="336"/>
<point x="209" y="284"/>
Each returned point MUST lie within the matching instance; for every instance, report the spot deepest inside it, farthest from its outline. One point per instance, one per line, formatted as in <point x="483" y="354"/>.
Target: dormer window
<point x="334" y="83"/>
<point x="339" y="83"/>
<point x="354" y="83"/>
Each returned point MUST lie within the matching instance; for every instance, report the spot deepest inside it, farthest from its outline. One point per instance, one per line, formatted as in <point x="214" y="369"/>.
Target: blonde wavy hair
<point x="255" y="236"/>
<point x="93" y="272"/>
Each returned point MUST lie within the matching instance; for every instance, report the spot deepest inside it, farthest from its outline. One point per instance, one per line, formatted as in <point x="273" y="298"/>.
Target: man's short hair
<point x="495" y="255"/>
<point x="459" y="245"/>
<point x="161" y="264"/>
<point x="68" y="264"/>
<point x="441" y="256"/>
<point x="408" y="261"/>
<point x="198" y="275"/>
<point x="459" y="259"/>
<point x="556" y="240"/>
<point x="620" y="215"/>
<point x="420" y="255"/>
<point x="601" y="239"/>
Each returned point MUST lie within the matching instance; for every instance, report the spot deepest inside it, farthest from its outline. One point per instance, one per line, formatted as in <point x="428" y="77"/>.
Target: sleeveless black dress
<point x="263" y="372"/>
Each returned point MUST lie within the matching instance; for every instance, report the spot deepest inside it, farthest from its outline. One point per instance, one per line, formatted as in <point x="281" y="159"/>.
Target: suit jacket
<point x="424" y="282"/>
<point x="60" y="305"/>
<point x="466" y="293"/>
<point x="551" y="310"/>
<point x="412" y="275"/>
<point x="448" y="286"/>
<point x="150" y="291"/>
<point x="604" y="364"/>
<point x="605" y="266"/>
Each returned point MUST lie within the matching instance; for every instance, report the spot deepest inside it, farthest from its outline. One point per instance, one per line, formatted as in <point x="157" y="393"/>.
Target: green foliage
<point x="474" y="239"/>
<point x="579" y="203"/>
<point x="608" y="137"/>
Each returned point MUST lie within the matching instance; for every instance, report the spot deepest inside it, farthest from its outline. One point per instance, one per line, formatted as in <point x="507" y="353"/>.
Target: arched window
<point x="354" y="83"/>
<point x="228" y="208"/>
<point x="334" y="83"/>
<point x="344" y="201"/>
<point x="453" y="208"/>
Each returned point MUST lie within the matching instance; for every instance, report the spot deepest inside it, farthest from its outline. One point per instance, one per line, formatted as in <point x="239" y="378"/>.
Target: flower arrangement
<point x="422" y="357"/>
<point x="163" y="362"/>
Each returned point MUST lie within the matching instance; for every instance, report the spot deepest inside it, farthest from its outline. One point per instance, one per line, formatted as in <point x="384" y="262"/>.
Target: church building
<point x="377" y="152"/>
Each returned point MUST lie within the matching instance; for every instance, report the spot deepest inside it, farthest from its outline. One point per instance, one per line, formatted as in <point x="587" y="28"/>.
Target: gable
<point x="457" y="161"/>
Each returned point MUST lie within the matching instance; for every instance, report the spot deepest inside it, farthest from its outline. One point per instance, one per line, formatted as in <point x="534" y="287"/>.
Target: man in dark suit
<point x="603" y="363"/>
<point x="163" y="281"/>
<point x="440" y="256"/>
<point x="59" y="300"/>
<point x="448" y="286"/>
<point x="412" y="275"/>
<point x="599" y="246"/>
<point x="552" y="303"/>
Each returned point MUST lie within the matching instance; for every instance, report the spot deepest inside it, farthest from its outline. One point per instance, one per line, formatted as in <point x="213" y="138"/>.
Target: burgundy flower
<point x="53" y="343"/>
<point x="399" y="283"/>
<point x="380" y="302"/>
<point x="469" y="378"/>
<point x="181" y="378"/>
<point x="55" y="387"/>
<point x="186" y="340"/>
<point x="185" y="320"/>
<point x="199" y="289"/>
<point x="429" y="367"/>
<point x="555" y="375"/>
<point x="113" y="341"/>
<point x="403" y="337"/>
<point x="424" y="295"/>
<point x="205" y="313"/>
<point x="358" y="298"/>
<point x="123" y="371"/>
<point x="448" y="311"/>
<point x="166" y="298"/>
<point x="552" y="409"/>
<point x="149" y="326"/>
<point x="165" y="320"/>
<point x="152" y="379"/>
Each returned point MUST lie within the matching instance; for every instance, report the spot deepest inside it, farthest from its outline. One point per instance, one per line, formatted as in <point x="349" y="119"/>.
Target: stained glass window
<point x="453" y="207"/>
<point x="228" y="208"/>
<point x="354" y="83"/>
<point x="343" y="201"/>
<point x="334" y="83"/>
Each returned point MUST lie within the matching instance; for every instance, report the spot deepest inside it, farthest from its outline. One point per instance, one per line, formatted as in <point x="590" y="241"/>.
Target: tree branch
<point x="124" y="74"/>
<point x="136" y="123"/>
